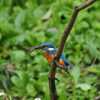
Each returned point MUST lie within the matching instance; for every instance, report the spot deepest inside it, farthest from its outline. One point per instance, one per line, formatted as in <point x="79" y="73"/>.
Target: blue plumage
<point x="50" y="53"/>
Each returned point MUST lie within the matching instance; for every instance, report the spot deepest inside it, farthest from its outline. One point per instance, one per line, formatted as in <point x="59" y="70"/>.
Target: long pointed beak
<point x="36" y="47"/>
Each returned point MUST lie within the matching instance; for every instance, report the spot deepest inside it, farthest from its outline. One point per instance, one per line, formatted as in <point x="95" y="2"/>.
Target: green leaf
<point x="21" y="80"/>
<point x="94" y="69"/>
<point x="47" y="15"/>
<point x="84" y="86"/>
<point x="31" y="90"/>
<point x="16" y="81"/>
<point x="75" y="73"/>
<point x="20" y="18"/>
<point x="17" y="56"/>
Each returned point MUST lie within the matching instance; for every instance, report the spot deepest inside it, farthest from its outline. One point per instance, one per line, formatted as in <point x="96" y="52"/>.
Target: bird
<point x="49" y="52"/>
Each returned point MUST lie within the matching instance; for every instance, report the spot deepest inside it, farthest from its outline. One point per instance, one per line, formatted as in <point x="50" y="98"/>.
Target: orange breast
<point x="61" y="62"/>
<point x="49" y="57"/>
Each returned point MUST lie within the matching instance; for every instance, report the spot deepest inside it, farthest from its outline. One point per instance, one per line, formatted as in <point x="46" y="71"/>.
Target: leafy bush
<point x="24" y="23"/>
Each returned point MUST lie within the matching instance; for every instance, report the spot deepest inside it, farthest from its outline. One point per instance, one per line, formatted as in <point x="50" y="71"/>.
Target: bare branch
<point x="69" y="27"/>
<point x="85" y="5"/>
<point x="52" y="85"/>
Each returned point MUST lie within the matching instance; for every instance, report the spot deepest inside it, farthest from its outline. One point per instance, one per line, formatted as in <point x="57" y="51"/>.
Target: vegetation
<point x="25" y="23"/>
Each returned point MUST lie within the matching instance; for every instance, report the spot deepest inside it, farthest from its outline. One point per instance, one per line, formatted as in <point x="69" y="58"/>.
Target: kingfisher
<point x="50" y="52"/>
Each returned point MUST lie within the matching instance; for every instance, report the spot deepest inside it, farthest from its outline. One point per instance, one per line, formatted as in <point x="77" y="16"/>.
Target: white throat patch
<point x="50" y="49"/>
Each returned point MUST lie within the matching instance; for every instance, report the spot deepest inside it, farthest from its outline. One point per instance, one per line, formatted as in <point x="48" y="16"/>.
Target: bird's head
<point x="46" y="47"/>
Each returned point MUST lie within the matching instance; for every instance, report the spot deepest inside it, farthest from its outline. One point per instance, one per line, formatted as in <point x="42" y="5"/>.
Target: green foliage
<point x="25" y="23"/>
<point x="17" y="56"/>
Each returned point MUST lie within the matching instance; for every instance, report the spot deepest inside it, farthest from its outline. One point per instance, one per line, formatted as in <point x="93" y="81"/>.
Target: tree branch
<point x="69" y="27"/>
<point x="52" y="85"/>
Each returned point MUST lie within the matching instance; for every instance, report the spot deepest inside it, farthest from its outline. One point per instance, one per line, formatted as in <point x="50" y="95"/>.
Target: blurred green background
<point x="25" y="23"/>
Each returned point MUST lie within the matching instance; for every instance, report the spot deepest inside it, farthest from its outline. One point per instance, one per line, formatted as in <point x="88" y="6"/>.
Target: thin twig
<point x="69" y="27"/>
